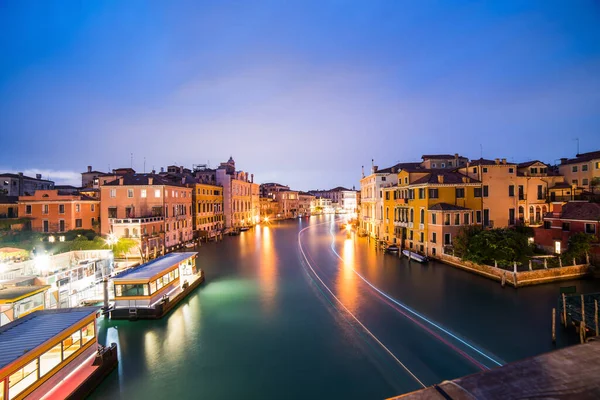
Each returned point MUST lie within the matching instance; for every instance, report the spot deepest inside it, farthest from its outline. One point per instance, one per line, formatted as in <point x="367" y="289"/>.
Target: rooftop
<point x="581" y="210"/>
<point x="450" y="177"/>
<point x="400" y="166"/>
<point x="142" y="180"/>
<point x="529" y="163"/>
<point x="150" y="269"/>
<point x="583" y="157"/>
<point x="9" y="175"/>
<point x="19" y="337"/>
<point x="440" y="156"/>
<point x="14" y="293"/>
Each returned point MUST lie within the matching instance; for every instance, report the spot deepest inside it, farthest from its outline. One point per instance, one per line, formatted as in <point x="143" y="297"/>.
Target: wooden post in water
<point x="574" y="261"/>
<point x="530" y="265"/>
<point x="560" y="261"/>
<point x="582" y="332"/>
<point x="515" y="267"/>
<point x="582" y="328"/>
<point x="546" y="263"/>
<point x="554" y="325"/>
<point x="504" y="279"/>
<point x="596" y="316"/>
<point x="564" y="304"/>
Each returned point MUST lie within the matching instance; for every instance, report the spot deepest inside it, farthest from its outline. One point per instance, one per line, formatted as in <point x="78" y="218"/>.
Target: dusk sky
<point x="298" y="92"/>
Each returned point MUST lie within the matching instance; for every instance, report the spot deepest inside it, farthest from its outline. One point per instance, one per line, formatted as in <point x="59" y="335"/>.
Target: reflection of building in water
<point x="347" y="284"/>
<point x="268" y="267"/>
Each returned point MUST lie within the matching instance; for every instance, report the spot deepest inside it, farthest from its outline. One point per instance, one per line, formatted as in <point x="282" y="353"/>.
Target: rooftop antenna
<point x="144" y="164"/>
<point x="577" y="139"/>
<point x="363" y="171"/>
<point x="480" y="150"/>
<point x="131" y="160"/>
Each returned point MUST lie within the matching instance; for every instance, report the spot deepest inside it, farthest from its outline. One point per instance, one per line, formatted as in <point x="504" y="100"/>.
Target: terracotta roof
<point x="561" y="185"/>
<point x="142" y="179"/>
<point x="583" y="157"/>
<point x="447" y="207"/>
<point x="581" y="210"/>
<point x="450" y="177"/>
<point x="482" y="161"/>
<point x="399" y="166"/>
<point x="529" y="163"/>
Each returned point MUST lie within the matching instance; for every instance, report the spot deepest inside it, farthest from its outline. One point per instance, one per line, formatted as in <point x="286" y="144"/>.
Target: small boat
<point x="415" y="256"/>
<point x="392" y="249"/>
<point x="234" y="232"/>
<point x="190" y="245"/>
<point x="244" y="228"/>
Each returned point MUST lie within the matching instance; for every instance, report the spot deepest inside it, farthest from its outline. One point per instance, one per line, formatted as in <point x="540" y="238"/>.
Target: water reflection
<point x="268" y="268"/>
<point x="347" y="282"/>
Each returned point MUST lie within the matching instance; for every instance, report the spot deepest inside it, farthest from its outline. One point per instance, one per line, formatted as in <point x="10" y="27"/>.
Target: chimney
<point x="504" y="161"/>
<point x="150" y="180"/>
<point x="563" y="160"/>
<point x="375" y="168"/>
<point x="20" y="174"/>
<point x="497" y="160"/>
<point x="162" y="170"/>
<point x="89" y="168"/>
<point x="393" y="170"/>
<point x="440" y="178"/>
<point x="252" y="178"/>
<point x="121" y="179"/>
<point x="153" y="172"/>
<point x="38" y="176"/>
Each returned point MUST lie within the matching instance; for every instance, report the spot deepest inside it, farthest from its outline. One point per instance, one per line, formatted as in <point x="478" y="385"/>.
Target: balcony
<point x="402" y="224"/>
<point x="137" y="221"/>
<point x="411" y="224"/>
<point x="421" y="226"/>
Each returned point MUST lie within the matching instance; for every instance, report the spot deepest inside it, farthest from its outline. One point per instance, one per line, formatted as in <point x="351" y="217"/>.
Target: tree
<point x="579" y="245"/>
<point x="123" y="246"/>
<point x="594" y="183"/>
<point x="462" y="240"/>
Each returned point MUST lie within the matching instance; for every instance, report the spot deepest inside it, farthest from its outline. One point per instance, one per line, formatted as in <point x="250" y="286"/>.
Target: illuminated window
<point x="77" y="207"/>
<point x="143" y="193"/>
<point x="71" y="344"/>
<point x="87" y="333"/>
<point x="50" y="359"/>
<point x="152" y="287"/>
<point x="22" y="379"/>
<point x="156" y="193"/>
<point x="113" y="192"/>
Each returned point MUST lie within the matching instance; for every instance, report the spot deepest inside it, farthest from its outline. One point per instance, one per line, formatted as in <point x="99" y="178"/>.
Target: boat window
<point x="22" y="379"/>
<point x="50" y="359"/>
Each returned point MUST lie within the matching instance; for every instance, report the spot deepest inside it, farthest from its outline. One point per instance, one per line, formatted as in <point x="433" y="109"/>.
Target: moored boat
<point x="244" y="228"/>
<point x="392" y="249"/>
<point x="415" y="256"/>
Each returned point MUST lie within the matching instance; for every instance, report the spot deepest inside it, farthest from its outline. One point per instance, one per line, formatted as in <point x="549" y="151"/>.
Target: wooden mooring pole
<point x="564" y="309"/>
<point x="554" y="325"/>
<point x="596" y="316"/>
<point x="582" y="327"/>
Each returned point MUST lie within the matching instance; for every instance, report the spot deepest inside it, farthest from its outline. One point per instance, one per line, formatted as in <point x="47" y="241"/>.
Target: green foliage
<point x="76" y="233"/>
<point x="462" y="240"/>
<point x="123" y="246"/>
<point x="579" y="245"/>
<point x="505" y="246"/>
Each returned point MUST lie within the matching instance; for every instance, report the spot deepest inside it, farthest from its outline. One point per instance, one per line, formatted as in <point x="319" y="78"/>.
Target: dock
<point x="569" y="373"/>
<point x="580" y="311"/>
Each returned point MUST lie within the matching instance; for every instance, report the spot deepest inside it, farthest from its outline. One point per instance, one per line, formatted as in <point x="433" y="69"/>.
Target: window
<point x="383" y="178"/>
<point x="443" y="165"/>
<point x="540" y="192"/>
<point x="447" y="219"/>
<point x="486" y="191"/>
<point x="447" y="239"/>
<point x="584" y="181"/>
<point x="434" y="218"/>
<point x="113" y="192"/>
<point x="77" y="207"/>
<point x="433" y="165"/>
<point x="476" y="192"/>
<point x="387" y="195"/>
<point x="422" y="216"/>
<point x="521" y="193"/>
<point x="566" y="226"/>
<point x="422" y="237"/>
<point x="45" y="226"/>
<point x="71" y="344"/>
<point x="474" y="170"/>
<point x="460" y="193"/>
<point x="584" y="167"/>
<point x="92" y="207"/>
<point x="410" y="235"/>
<point x="547" y="225"/>
<point x="466" y="219"/>
<point x="87" y="333"/>
<point x="511" y="170"/>
<point x="511" y="191"/>
<point x="421" y="193"/>
<point x="45" y="209"/>
<point x="28" y="209"/>
<point x="406" y="180"/>
<point x="156" y="193"/>
<point x="449" y="163"/>
<point x="129" y="193"/>
<point x="434" y="237"/>
<point x="131" y="290"/>
<point x="511" y="216"/>
<point x="478" y="216"/>
<point x="61" y="208"/>
<point x="61" y="225"/>
<point x="534" y="171"/>
<point x="78" y="223"/>
<point x="598" y="165"/>
<point x="433" y="193"/>
<point x="484" y="170"/>
<point x="112" y="212"/>
<point x="143" y="193"/>
<point x="574" y="169"/>
<point x="456" y="219"/>
<point x="22" y="379"/>
<point x="590" y="228"/>
<point x="50" y="359"/>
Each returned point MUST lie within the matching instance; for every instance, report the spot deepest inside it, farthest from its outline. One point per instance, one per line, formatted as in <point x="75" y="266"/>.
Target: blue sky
<point x="300" y="92"/>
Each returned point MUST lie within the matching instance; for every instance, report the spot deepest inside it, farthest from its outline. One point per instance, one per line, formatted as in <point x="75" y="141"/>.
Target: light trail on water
<point x="350" y="313"/>
<point x="418" y="315"/>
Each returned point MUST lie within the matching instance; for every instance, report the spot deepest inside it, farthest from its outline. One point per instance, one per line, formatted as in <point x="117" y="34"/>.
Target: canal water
<point x="301" y="309"/>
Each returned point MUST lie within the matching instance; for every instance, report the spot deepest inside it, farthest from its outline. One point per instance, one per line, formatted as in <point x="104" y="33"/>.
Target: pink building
<point x="148" y="208"/>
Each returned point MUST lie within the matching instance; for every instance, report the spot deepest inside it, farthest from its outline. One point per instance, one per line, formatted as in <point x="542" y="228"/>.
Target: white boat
<point x="415" y="256"/>
<point x="190" y="245"/>
<point x="392" y="249"/>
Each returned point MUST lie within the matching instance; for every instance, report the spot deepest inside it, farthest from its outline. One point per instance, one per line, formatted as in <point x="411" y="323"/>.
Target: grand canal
<point x="299" y="309"/>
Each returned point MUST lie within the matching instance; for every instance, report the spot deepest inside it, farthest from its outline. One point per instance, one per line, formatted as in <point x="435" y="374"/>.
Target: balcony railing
<point x="402" y="224"/>
<point x="421" y="226"/>
<point x="410" y="224"/>
<point x="142" y="220"/>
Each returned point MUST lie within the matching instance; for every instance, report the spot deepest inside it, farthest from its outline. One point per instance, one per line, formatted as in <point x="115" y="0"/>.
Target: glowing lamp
<point x="51" y="239"/>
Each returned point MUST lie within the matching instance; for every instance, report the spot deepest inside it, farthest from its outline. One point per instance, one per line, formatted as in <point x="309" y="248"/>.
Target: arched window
<point x="412" y="215"/>
<point x="422" y="216"/>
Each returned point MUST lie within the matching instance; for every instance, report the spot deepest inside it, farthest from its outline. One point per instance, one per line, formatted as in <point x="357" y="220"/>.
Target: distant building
<point x="208" y="209"/>
<point x="53" y="212"/>
<point x="582" y="170"/>
<point x="305" y="204"/>
<point x="289" y="203"/>
<point x="9" y="207"/>
<point x="241" y="204"/>
<point x="443" y="161"/>
<point x="21" y="185"/>
<point x="342" y="200"/>
<point x="271" y="188"/>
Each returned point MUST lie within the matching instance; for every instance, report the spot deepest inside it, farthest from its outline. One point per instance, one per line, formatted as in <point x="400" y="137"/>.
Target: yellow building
<point x="208" y="209"/>
<point x="407" y="207"/>
<point x="582" y="171"/>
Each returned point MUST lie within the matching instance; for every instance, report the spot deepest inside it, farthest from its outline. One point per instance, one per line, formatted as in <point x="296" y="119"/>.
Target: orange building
<point x="148" y="208"/>
<point x="53" y="212"/>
